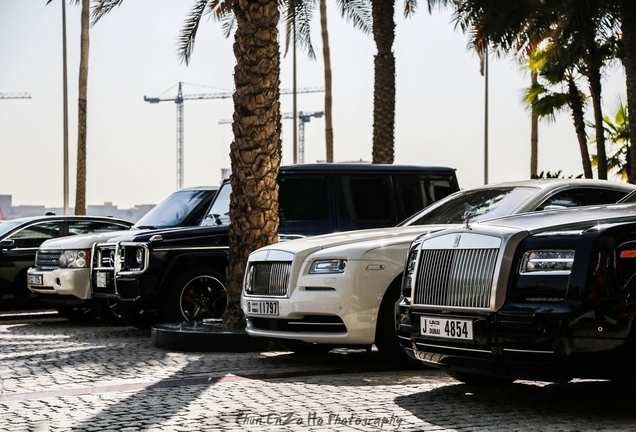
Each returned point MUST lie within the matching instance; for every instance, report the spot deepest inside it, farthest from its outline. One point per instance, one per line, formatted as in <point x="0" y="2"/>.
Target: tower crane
<point x="180" y="98"/>
<point x="303" y="117"/>
<point x="15" y="96"/>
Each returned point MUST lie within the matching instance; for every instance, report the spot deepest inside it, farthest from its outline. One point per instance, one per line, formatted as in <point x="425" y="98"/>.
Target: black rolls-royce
<point x="545" y="296"/>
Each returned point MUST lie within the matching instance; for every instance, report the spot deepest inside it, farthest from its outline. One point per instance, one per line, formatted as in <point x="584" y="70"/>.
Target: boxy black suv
<point x="179" y="274"/>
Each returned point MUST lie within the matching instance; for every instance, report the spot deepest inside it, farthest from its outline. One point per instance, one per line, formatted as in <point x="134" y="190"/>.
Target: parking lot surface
<point x="56" y="375"/>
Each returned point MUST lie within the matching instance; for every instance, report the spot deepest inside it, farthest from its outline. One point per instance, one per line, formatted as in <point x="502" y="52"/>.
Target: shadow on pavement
<point x="590" y="405"/>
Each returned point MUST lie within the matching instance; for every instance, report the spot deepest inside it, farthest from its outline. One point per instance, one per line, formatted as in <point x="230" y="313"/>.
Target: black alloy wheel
<point x="197" y="294"/>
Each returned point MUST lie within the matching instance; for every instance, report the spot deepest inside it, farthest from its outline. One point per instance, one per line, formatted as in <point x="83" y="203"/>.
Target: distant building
<point x="8" y="211"/>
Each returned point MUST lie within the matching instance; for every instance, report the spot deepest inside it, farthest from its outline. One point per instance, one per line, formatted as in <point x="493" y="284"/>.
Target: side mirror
<point x="7" y="244"/>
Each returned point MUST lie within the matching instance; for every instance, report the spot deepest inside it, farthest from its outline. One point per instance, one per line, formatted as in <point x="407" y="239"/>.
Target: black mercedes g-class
<point x="179" y="274"/>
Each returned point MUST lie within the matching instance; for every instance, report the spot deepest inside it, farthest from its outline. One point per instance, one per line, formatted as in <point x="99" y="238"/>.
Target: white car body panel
<point x="354" y="295"/>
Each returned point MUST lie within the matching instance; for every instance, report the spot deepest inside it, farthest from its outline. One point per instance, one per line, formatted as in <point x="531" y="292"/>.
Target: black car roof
<point x="362" y="167"/>
<point x="29" y="219"/>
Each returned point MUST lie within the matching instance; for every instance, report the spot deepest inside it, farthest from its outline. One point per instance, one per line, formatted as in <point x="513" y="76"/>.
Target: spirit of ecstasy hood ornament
<point x="466" y="219"/>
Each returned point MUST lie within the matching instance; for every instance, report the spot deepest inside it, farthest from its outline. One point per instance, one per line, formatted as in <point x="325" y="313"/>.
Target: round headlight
<point x="139" y="256"/>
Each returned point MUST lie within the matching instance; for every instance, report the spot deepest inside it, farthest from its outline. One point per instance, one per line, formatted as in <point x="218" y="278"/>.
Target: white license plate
<point x="101" y="279"/>
<point x="262" y="307"/>
<point x="35" y="279"/>
<point x="459" y="329"/>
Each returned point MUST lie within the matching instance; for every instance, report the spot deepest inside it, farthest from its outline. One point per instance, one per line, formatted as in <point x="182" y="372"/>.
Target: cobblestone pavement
<point x="61" y="376"/>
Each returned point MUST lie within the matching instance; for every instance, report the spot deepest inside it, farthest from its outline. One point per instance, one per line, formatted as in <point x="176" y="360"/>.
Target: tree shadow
<point x="592" y="405"/>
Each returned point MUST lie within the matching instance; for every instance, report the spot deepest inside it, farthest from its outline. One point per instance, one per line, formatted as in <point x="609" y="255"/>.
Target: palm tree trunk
<point x="255" y="153"/>
<point x="534" y="133"/>
<point x="594" y="78"/>
<point x="628" y="18"/>
<point x="384" y="84"/>
<point x="80" y="187"/>
<point x="574" y="100"/>
<point x="328" y="96"/>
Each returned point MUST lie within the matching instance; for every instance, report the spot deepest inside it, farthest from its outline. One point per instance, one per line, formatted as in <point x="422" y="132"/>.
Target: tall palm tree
<point x="297" y="16"/>
<point x="255" y="152"/>
<point x="555" y="89"/>
<point x="587" y="29"/>
<point x="80" y="186"/>
<point x="628" y="18"/>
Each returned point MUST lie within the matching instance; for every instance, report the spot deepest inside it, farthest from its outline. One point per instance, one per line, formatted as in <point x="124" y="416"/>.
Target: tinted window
<point x="582" y="197"/>
<point x="302" y="198"/>
<point x="365" y="198"/>
<point x="219" y="213"/>
<point x="173" y="210"/>
<point x="418" y="192"/>
<point x="90" y="227"/>
<point x="482" y="204"/>
<point x="34" y="235"/>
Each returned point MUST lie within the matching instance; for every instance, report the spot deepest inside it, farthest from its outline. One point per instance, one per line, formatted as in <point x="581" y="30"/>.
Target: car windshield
<point x="7" y="226"/>
<point x="481" y="203"/>
<point x="171" y="211"/>
<point x="219" y="213"/>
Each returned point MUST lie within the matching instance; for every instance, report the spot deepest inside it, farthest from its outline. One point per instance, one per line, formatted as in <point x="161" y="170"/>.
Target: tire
<point x="386" y="339"/>
<point x="109" y="311"/>
<point x="196" y="294"/>
<point x="78" y="314"/>
<point x="480" y="380"/>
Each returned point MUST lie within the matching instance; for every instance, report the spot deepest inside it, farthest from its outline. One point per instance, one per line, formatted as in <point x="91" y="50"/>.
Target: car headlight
<point x="407" y="281"/>
<point x="328" y="266"/>
<point x="547" y="261"/>
<point x="75" y="259"/>
<point x="134" y="258"/>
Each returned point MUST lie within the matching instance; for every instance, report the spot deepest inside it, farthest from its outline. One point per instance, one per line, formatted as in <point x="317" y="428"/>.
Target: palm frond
<point x="358" y="12"/>
<point x="220" y="10"/>
<point x="297" y="16"/>
<point x="103" y="7"/>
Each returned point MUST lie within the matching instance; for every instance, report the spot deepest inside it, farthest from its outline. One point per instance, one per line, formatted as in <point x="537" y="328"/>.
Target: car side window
<point x="33" y="236"/>
<point x="417" y="193"/>
<point x="303" y="198"/>
<point x="90" y="227"/>
<point x="365" y="198"/>
<point x="581" y="197"/>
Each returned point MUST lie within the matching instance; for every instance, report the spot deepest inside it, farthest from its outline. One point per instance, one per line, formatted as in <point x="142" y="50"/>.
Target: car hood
<point x="574" y="218"/>
<point x="83" y="241"/>
<point x="354" y="244"/>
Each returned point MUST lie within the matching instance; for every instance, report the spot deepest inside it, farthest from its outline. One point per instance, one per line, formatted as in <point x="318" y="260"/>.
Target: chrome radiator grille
<point x="269" y="278"/>
<point x="455" y="277"/>
<point x="47" y="260"/>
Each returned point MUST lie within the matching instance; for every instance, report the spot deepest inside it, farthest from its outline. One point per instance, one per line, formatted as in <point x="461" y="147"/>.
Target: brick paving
<point x="62" y="376"/>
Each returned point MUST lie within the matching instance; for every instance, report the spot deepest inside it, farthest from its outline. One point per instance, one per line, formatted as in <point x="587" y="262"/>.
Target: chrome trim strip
<point x="528" y="351"/>
<point x="453" y="348"/>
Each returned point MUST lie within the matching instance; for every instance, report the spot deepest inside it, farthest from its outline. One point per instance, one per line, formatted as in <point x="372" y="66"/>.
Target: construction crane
<point x="303" y="117"/>
<point x="15" y="96"/>
<point x="180" y="98"/>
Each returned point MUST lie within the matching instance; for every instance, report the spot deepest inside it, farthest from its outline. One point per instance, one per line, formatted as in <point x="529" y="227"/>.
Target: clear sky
<point x="132" y="144"/>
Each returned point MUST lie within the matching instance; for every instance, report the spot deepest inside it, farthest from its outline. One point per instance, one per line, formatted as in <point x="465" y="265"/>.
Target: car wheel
<point x="386" y="338"/>
<point x="196" y="294"/>
<point x="109" y="311"/>
<point x="78" y="314"/>
<point x="480" y="380"/>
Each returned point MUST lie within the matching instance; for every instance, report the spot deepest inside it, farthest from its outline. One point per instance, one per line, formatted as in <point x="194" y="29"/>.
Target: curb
<point x="203" y="336"/>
